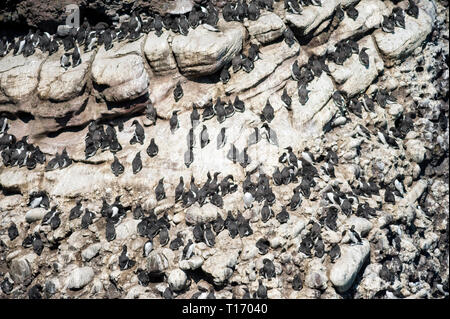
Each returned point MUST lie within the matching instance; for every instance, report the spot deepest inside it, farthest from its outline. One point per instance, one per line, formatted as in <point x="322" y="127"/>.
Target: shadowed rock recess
<point x="207" y="149"/>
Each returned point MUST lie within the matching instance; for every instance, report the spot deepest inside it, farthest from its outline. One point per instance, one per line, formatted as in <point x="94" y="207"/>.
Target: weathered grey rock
<point x="159" y="53"/>
<point x="401" y="43"/>
<point x="415" y="150"/>
<point x="370" y="15"/>
<point x="344" y="271"/>
<point x="220" y="265"/>
<point x="362" y="225"/>
<point x="271" y="57"/>
<point x="126" y="229"/>
<point x="311" y="16"/>
<point x="59" y="85"/>
<point x="320" y="93"/>
<point x="177" y="280"/>
<point x="120" y="73"/>
<point x="196" y="214"/>
<point x="19" y="76"/>
<point x="316" y="277"/>
<point x="80" y="277"/>
<point x="267" y="28"/>
<point x="91" y="251"/>
<point x="157" y="262"/>
<point x="35" y="214"/>
<point x="204" y="52"/>
<point x="20" y="269"/>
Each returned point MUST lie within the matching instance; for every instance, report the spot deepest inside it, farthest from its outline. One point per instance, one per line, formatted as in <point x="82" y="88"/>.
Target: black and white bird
<point x="159" y="190"/>
<point x="174" y="124"/>
<point x="204" y="137"/>
<point x="136" y="164"/>
<point x="364" y="57"/>
<point x="124" y="261"/>
<point x="65" y="60"/>
<point x="286" y="99"/>
<point x="152" y="149"/>
<point x="116" y="167"/>
<point x="139" y="133"/>
<point x="178" y="92"/>
<point x="269" y="134"/>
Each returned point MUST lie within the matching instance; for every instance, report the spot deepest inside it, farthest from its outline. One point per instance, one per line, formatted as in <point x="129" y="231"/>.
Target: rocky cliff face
<point x="403" y="250"/>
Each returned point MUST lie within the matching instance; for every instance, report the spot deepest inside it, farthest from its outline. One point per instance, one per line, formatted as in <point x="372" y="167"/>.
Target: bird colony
<point x="250" y="149"/>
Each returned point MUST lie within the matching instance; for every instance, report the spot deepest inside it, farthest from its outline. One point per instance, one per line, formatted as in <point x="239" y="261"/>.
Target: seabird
<point x="221" y="138"/>
<point x="225" y="75"/>
<point x="193" y="18"/>
<point x="413" y="9"/>
<point x="35" y="292"/>
<point x="148" y="247"/>
<point x="179" y="190"/>
<point x="289" y="37"/>
<point x="139" y="134"/>
<point x="233" y="154"/>
<point x="268" y="269"/>
<point x="253" y="52"/>
<point x="116" y="167"/>
<point x="296" y="75"/>
<point x="266" y="213"/>
<point x="208" y="112"/>
<point x="37" y="244"/>
<point x="229" y="110"/>
<point x="270" y="134"/>
<point x="188" y="250"/>
<point x="195" y="116"/>
<point x="292" y="6"/>
<point x="150" y="112"/>
<point x="339" y="13"/>
<point x="209" y="236"/>
<point x="174" y="124"/>
<point x="253" y="12"/>
<point x="352" y="13"/>
<point x="388" y="24"/>
<point x="163" y="236"/>
<point x="178" y="92"/>
<point x="152" y="149"/>
<point x="236" y="62"/>
<point x="297" y="283"/>
<point x="124" y="261"/>
<point x="137" y="163"/>
<point x="295" y="201"/>
<point x="238" y="105"/>
<point x="219" y="109"/>
<point x="247" y="64"/>
<point x="268" y="112"/>
<point x="188" y="157"/>
<point x="65" y="60"/>
<point x="364" y="57"/>
<point x="7" y="286"/>
<point x="303" y="93"/>
<point x="255" y="137"/>
<point x="204" y="137"/>
<point x="399" y="17"/>
<point x="55" y="221"/>
<point x="159" y="190"/>
<point x="110" y="232"/>
<point x="87" y="219"/>
<point x="48" y="216"/>
<point x="76" y="57"/>
<point x="261" y="292"/>
<point x="218" y="224"/>
<point x="286" y="99"/>
<point x="13" y="233"/>
<point x="283" y="216"/>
